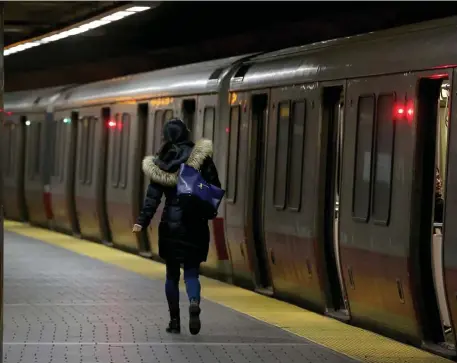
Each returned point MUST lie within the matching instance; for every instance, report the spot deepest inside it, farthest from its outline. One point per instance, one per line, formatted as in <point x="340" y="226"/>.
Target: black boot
<point x="194" y="317"/>
<point x="174" y="326"/>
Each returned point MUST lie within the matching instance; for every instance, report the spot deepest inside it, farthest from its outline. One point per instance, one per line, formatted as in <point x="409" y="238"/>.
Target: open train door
<point x="446" y="244"/>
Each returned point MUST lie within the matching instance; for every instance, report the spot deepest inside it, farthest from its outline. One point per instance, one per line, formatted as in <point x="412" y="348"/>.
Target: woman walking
<point x="183" y="235"/>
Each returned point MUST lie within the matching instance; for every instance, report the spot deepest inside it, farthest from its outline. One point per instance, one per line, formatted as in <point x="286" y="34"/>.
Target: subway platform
<point x="71" y="301"/>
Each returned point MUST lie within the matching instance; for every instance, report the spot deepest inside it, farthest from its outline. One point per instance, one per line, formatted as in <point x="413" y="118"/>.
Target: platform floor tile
<point x="62" y="307"/>
<point x="225" y="306"/>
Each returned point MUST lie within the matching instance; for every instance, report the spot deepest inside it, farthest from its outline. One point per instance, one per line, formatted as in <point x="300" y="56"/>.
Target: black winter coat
<point x="182" y="236"/>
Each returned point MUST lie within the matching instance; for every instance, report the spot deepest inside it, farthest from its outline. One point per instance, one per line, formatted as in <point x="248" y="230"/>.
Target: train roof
<point x="32" y="100"/>
<point x="197" y="78"/>
<point x="415" y="47"/>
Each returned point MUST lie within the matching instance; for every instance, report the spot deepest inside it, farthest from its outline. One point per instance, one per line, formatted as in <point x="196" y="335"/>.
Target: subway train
<point x="328" y="154"/>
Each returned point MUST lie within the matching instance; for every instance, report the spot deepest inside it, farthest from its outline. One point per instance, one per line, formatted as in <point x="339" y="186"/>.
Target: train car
<point x="28" y="152"/>
<point x="111" y="125"/>
<point x="338" y="182"/>
<point x="329" y="154"/>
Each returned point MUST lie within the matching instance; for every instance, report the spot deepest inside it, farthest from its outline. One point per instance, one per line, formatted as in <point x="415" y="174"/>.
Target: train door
<point x="36" y="191"/>
<point x="374" y="210"/>
<point x="63" y="139"/>
<point x="256" y="191"/>
<point x="433" y="106"/>
<point x="13" y="176"/>
<point x="90" y="170"/>
<point x="332" y="142"/>
<point x="120" y="192"/>
<point x="448" y="254"/>
<point x="206" y="127"/>
<point x="159" y="112"/>
<point x="138" y="185"/>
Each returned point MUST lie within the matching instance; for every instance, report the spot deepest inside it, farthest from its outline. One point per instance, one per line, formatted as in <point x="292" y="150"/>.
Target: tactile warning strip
<point x="351" y="341"/>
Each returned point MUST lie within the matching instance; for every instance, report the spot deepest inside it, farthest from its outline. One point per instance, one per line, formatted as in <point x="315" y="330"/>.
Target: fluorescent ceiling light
<point x="75" y="30"/>
<point x="137" y="9"/>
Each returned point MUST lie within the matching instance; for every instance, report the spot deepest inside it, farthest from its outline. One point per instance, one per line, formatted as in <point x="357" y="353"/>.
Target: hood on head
<point x="175" y="131"/>
<point x="203" y="148"/>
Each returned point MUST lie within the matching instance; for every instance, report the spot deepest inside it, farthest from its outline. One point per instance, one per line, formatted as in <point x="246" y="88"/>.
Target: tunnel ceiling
<point x="174" y="33"/>
<point x="27" y="19"/>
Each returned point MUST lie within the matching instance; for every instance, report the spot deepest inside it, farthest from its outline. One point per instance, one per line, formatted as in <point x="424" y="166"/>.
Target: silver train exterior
<point x="327" y="153"/>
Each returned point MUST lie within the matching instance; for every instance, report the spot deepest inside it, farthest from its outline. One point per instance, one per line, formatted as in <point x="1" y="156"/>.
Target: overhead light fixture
<point x="75" y="30"/>
<point x="137" y="9"/>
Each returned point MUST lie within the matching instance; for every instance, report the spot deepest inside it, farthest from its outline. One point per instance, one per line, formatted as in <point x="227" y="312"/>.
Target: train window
<point x="84" y="124"/>
<point x="116" y="151"/>
<point x="385" y="130"/>
<point x="91" y="148"/>
<point x="59" y="146"/>
<point x="56" y="148"/>
<point x="37" y="150"/>
<point x="157" y="130"/>
<point x="167" y="116"/>
<point x="208" y="122"/>
<point x="232" y="170"/>
<point x="13" y="149"/>
<point x="86" y="153"/>
<point x="363" y="158"/>
<point x="10" y="149"/>
<point x="294" y="190"/>
<point x="124" y="156"/>
<point x="30" y="148"/>
<point x="282" y="151"/>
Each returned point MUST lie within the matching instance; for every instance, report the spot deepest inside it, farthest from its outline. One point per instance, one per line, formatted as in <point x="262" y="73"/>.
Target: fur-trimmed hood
<point x="202" y="149"/>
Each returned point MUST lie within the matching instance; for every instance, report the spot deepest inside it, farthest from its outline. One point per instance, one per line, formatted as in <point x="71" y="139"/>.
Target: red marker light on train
<point x="112" y="124"/>
<point x="410" y="111"/>
<point x="399" y="111"/>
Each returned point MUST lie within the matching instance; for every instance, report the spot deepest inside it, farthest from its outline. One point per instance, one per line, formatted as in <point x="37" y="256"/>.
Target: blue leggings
<point x="193" y="288"/>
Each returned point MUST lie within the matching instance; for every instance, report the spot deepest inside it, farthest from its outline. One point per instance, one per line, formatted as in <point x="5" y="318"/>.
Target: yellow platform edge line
<point x="351" y="341"/>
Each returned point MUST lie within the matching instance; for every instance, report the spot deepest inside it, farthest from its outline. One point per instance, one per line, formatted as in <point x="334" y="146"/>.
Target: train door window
<point x="91" y="149"/>
<point x="37" y="150"/>
<point x="188" y="110"/>
<point x="13" y="148"/>
<point x="363" y="158"/>
<point x="282" y="149"/>
<point x="167" y="116"/>
<point x="55" y="148"/>
<point x="294" y="190"/>
<point x="59" y="146"/>
<point x="157" y="130"/>
<point x="208" y="123"/>
<point x="124" y="149"/>
<point x="9" y="144"/>
<point x="84" y="124"/>
<point x="9" y="148"/>
<point x="384" y="143"/>
<point x="86" y="152"/>
<point x="232" y="170"/>
<point x="116" y="150"/>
